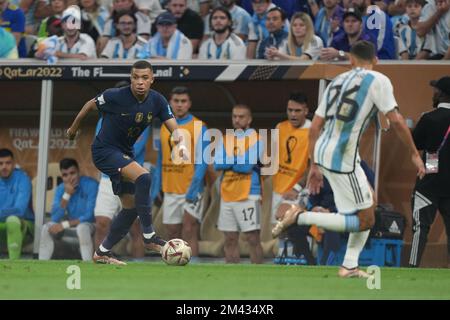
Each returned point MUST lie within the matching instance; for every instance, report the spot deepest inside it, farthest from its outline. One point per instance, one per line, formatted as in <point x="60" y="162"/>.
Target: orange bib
<point x="236" y="186"/>
<point x="176" y="178"/>
<point x="293" y="152"/>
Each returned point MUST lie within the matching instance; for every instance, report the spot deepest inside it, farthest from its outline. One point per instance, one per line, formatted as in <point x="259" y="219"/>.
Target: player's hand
<point x="315" y="180"/>
<point x="72" y="133"/>
<point x="56" y="228"/>
<point x="290" y="195"/>
<point x="417" y="160"/>
<point x="328" y="53"/>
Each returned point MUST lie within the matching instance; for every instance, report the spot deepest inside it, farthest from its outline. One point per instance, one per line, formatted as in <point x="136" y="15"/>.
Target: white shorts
<point x="107" y="203"/>
<point x="174" y="206"/>
<point x="241" y="216"/>
<point x="352" y="191"/>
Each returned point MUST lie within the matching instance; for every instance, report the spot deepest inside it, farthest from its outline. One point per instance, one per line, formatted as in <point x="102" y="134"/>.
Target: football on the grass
<point x="176" y="252"/>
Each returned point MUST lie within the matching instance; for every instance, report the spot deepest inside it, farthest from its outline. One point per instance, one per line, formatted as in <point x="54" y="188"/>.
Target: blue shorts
<point x="110" y="161"/>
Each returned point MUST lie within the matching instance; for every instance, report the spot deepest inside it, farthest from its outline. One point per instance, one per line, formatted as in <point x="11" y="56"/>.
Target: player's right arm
<point x="88" y="107"/>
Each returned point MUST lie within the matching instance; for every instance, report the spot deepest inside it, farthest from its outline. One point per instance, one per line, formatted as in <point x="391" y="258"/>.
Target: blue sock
<point x="142" y="201"/>
<point x="119" y="227"/>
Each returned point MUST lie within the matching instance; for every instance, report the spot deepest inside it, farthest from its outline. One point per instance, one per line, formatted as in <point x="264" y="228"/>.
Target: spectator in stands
<point x="242" y="21"/>
<point x="127" y="45"/>
<point x="189" y="22"/>
<point x="353" y="31"/>
<point x="143" y="25"/>
<point x="16" y="214"/>
<point x="237" y="156"/>
<point x="328" y="21"/>
<point x="183" y="205"/>
<point x="93" y="18"/>
<point x="411" y="46"/>
<point x="73" y="44"/>
<point x="75" y="196"/>
<point x="293" y="144"/>
<point x="13" y="20"/>
<point x="378" y="27"/>
<point x="108" y="205"/>
<point x="30" y="9"/>
<point x="224" y="43"/>
<point x="301" y="44"/>
<point x="432" y="192"/>
<point x="435" y="20"/>
<point x="8" y="47"/>
<point x="290" y="7"/>
<point x="168" y="42"/>
<point x="151" y="8"/>
<point x="277" y="34"/>
<point x="52" y="24"/>
<point x="259" y="30"/>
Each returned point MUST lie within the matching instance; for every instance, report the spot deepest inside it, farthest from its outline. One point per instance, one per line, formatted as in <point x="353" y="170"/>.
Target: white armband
<point x="65" y="224"/>
<point x="66" y="196"/>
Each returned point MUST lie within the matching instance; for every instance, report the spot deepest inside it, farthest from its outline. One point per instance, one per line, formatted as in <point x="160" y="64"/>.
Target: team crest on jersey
<point x="139" y="117"/>
<point x="101" y="100"/>
<point x="149" y="117"/>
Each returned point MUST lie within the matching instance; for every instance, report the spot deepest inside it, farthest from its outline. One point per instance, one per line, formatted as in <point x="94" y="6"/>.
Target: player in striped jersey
<point x="348" y="104"/>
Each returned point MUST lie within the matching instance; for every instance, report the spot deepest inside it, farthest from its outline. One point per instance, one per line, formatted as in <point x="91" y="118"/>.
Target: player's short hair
<point x="6" y="153"/>
<point x="298" y="97"/>
<point x="66" y="163"/>
<point x="142" y="64"/>
<point x="243" y="106"/>
<point x="419" y="2"/>
<point x="363" y="50"/>
<point x="179" y="90"/>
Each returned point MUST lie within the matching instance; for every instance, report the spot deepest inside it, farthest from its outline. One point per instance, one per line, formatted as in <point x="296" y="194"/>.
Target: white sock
<point x="356" y="242"/>
<point x="103" y="249"/>
<point x="330" y="221"/>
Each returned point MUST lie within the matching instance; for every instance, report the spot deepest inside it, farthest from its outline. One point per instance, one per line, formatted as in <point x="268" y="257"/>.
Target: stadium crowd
<point x="225" y="29"/>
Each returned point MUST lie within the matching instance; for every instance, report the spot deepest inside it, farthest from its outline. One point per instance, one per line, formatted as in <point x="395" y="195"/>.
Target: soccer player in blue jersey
<point x="126" y="113"/>
<point x="348" y="104"/>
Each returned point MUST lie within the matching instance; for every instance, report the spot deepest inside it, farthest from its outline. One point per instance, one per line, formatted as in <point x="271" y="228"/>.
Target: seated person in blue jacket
<point x="16" y="214"/>
<point x="72" y="211"/>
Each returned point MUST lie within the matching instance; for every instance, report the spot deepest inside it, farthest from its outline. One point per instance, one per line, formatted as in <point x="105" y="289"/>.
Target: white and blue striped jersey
<point x="348" y="104"/>
<point x="114" y="49"/>
<point x="410" y="41"/>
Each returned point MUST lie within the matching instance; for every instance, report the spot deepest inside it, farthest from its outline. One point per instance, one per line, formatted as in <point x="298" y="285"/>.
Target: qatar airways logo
<point x="249" y="147"/>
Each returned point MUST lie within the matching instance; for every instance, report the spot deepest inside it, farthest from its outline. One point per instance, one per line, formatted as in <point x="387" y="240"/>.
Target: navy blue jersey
<point x="125" y="118"/>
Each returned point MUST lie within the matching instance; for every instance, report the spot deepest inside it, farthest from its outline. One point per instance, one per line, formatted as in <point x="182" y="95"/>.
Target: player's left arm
<point x="383" y="96"/>
<point x="398" y="123"/>
<point x="88" y="107"/>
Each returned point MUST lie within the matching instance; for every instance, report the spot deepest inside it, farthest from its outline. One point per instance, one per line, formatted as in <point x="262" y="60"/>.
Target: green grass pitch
<point x="30" y="279"/>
